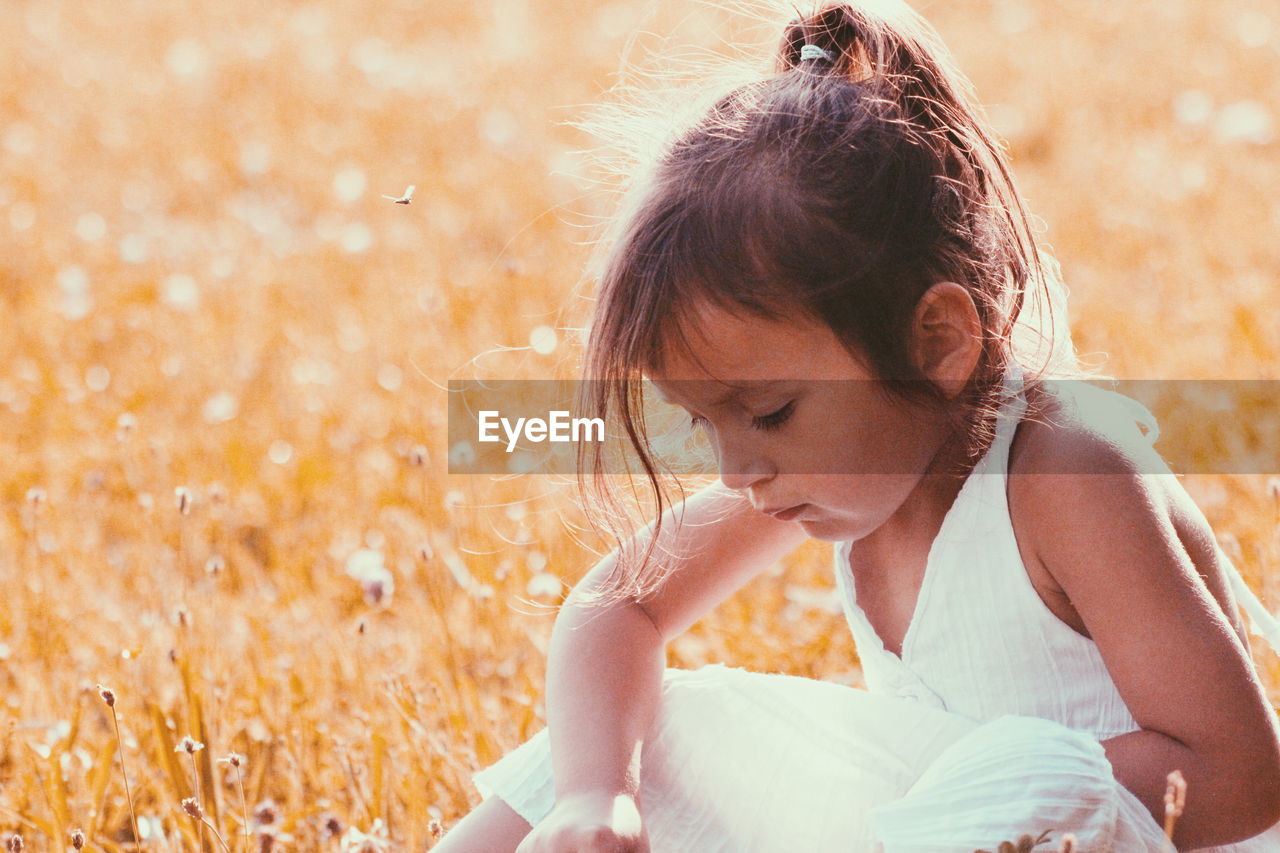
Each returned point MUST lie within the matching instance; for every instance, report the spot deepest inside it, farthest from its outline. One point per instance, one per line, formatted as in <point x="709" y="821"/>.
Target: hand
<point x="589" y="823"/>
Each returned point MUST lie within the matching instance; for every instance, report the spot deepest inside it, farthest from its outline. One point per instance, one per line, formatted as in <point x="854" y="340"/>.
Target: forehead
<point x="712" y="343"/>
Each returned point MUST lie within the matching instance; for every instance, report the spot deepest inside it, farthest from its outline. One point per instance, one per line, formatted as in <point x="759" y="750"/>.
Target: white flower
<point x="376" y="580"/>
<point x="375" y="841"/>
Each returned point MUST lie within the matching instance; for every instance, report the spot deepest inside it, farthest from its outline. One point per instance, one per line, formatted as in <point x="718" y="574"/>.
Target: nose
<point x="742" y="466"/>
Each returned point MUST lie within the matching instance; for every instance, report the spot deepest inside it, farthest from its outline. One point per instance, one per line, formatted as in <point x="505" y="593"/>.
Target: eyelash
<point x="765" y="423"/>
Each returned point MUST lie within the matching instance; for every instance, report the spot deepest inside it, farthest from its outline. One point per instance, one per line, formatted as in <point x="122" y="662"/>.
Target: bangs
<point x="756" y="211"/>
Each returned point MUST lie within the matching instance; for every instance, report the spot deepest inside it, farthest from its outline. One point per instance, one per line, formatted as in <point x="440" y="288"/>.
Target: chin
<point x="835" y="529"/>
<point x="824" y="529"/>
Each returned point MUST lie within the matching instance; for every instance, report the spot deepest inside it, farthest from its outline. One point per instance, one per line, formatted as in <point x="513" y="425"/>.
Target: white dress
<point x="986" y="728"/>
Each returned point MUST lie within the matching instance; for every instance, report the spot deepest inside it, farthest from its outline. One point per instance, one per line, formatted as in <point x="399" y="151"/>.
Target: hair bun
<point x="840" y="30"/>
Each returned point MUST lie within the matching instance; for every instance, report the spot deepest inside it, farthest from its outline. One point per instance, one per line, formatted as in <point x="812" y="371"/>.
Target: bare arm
<point x="605" y="663"/>
<point x="1108" y="539"/>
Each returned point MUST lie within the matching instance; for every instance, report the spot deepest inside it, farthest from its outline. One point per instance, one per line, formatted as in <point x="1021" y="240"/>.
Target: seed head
<point x="14" y="843"/>
<point x="1068" y="843"/>
<point x="266" y="813"/>
<point x="332" y="827"/>
<point x="182" y="498"/>
<point x="418" y="456"/>
<point x="214" y="565"/>
<point x="435" y="828"/>
<point x="77" y="839"/>
<point x="108" y="696"/>
<point x="188" y="745"/>
<point x="375" y="591"/>
<point x="192" y="807"/>
<point x="36" y="496"/>
<point x="235" y="759"/>
<point x="426" y="552"/>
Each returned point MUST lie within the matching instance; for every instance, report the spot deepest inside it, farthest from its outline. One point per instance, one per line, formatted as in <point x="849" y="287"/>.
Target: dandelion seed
<point x="418" y="456"/>
<point x="36" y="496"/>
<point x="188" y="745"/>
<point x="77" y="839"/>
<point x="435" y="827"/>
<point x="14" y="843"/>
<point x="404" y="199"/>
<point x="182" y="498"/>
<point x="425" y="552"/>
<point x="108" y="696"/>
<point x="214" y="565"/>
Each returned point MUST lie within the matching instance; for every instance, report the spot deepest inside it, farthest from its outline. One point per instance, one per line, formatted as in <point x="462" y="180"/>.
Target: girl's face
<point x="812" y="434"/>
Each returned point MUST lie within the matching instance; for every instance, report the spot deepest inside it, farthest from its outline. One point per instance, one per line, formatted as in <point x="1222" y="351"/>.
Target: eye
<point x="775" y="420"/>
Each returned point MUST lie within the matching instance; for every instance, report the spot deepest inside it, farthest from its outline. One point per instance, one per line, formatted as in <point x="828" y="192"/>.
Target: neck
<point x="925" y="506"/>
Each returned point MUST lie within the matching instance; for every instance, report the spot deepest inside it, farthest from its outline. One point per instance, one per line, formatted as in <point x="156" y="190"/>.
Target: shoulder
<point x="1105" y="516"/>
<point x="1064" y="459"/>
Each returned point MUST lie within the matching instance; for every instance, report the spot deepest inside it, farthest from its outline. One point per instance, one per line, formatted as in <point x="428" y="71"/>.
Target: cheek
<point x="852" y="506"/>
<point x="866" y="496"/>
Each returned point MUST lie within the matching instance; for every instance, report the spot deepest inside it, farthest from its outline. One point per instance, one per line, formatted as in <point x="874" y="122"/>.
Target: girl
<point x="839" y="246"/>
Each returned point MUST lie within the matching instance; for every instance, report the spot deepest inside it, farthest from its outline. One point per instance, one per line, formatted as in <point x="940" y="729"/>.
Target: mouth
<point x="788" y="514"/>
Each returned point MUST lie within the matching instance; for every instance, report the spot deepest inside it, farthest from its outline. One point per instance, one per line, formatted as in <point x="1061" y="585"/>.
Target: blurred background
<point x="223" y="358"/>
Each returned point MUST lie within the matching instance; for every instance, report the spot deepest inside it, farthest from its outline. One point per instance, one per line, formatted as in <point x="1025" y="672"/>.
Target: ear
<point x="947" y="336"/>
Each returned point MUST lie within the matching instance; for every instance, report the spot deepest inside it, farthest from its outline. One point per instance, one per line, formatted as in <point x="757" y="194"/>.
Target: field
<point x="224" y="356"/>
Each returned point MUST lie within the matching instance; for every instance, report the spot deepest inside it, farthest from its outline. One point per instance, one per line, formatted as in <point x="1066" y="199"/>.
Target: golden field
<point x="207" y="301"/>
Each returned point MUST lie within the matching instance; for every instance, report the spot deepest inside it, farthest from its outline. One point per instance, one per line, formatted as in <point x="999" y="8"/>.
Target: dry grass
<point x="203" y="291"/>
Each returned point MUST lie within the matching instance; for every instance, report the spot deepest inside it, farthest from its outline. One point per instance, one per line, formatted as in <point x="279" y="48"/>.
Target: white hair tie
<point x="812" y="51"/>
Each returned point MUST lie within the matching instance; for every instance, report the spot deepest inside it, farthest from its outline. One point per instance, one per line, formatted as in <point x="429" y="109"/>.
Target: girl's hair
<point x="835" y="189"/>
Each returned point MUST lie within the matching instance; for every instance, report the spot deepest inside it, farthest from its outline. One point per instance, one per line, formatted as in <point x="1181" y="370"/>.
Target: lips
<point x="787" y="514"/>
